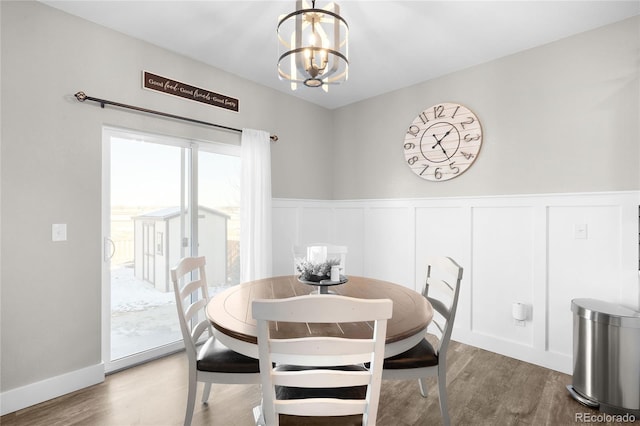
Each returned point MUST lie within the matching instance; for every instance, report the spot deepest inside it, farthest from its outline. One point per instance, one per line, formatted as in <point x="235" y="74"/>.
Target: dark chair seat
<point x="216" y="357"/>
<point x="421" y="355"/>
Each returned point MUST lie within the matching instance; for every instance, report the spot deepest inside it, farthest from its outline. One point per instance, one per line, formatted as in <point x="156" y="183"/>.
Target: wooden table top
<point x="230" y="311"/>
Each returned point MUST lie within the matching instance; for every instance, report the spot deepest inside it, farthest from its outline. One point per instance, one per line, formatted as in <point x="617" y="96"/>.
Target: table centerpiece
<point x="318" y="273"/>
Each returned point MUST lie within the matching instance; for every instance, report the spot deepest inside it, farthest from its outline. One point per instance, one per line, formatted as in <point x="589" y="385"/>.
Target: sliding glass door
<point x="219" y="214"/>
<point x="151" y="186"/>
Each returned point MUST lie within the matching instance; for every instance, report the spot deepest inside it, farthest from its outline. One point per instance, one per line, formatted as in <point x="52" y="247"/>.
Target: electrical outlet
<point x="519" y="323"/>
<point x="580" y="231"/>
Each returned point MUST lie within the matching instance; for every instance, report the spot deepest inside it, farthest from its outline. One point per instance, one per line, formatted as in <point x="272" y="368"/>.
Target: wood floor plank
<point x="483" y="388"/>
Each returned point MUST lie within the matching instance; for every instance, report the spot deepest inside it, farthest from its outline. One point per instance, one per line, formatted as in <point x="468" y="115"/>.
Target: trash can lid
<point x="606" y="312"/>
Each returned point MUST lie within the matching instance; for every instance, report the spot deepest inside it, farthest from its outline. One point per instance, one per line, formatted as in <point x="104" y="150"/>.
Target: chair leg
<point x="191" y="397"/>
<point x="423" y="386"/>
<point x="205" y="393"/>
<point x="442" y="395"/>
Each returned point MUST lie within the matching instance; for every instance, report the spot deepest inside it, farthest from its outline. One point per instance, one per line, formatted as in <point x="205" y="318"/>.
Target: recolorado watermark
<point x="604" y="418"/>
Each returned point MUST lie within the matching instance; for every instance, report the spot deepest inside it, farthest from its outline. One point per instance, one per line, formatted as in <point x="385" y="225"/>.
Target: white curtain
<point x="255" y="206"/>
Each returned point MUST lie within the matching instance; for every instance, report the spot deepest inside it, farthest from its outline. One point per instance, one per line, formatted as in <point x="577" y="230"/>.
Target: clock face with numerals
<point x="443" y="142"/>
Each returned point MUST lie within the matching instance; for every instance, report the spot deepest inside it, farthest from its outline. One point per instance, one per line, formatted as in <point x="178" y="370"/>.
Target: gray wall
<point x="559" y="118"/>
<point x="51" y="169"/>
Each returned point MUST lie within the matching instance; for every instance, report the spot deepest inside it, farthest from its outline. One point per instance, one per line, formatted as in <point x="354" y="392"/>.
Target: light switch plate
<point x="59" y="232"/>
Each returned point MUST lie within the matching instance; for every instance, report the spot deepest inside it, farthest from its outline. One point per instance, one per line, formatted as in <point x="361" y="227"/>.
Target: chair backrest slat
<point x="199" y="329"/>
<point x="194" y="309"/>
<point x="443" y="286"/>
<point x="440" y="325"/>
<point x="305" y="309"/>
<point x="440" y="306"/>
<point x="190" y="288"/>
<point x="322" y="346"/>
<point x="321" y="378"/>
<point x="322" y="406"/>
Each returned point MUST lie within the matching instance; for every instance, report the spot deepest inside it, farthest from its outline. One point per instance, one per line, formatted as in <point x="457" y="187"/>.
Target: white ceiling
<point x="392" y="44"/>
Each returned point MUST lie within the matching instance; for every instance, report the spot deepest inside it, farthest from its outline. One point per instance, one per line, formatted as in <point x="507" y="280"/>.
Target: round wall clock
<point x="443" y="142"/>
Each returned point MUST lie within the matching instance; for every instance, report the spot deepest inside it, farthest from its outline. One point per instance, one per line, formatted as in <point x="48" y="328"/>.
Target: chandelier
<point x="313" y="46"/>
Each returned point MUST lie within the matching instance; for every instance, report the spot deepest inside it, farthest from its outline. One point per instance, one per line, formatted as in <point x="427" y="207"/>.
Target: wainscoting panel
<point x="349" y="231"/>
<point x="445" y="230"/>
<point x="584" y="262"/>
<point x="285" y="236"/>
<point x="388" y="251"/>
<point x="502" y="271"/>
<point x="540" y="250"/>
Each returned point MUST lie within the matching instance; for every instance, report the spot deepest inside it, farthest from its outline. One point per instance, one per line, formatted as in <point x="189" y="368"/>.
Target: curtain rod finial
<point x="274" y="138"/>
<point x="81" y="96"/>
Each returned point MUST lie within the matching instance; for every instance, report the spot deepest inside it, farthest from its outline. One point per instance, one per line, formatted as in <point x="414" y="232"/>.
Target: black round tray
<point x="324" y="284"/>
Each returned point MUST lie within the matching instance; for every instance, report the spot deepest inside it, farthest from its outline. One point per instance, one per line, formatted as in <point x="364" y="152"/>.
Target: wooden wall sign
<point x="172" y="87"/>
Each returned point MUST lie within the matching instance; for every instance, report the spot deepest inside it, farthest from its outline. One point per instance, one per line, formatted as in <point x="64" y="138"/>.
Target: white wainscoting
<point x="541" y="250"/>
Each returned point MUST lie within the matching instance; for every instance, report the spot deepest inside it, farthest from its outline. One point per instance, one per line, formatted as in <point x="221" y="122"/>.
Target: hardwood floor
<point x="484" y="388"/>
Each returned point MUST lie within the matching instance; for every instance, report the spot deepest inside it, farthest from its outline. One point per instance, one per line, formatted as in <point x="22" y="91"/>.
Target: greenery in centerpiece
<point x="310" y="271"/>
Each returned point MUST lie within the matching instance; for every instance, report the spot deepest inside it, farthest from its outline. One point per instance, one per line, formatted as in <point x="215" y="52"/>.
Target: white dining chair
<point x="209" y="360"/>
<point x="442" y="287"/>
<point x="320" y="375"/>
<point x="333" y="251"/>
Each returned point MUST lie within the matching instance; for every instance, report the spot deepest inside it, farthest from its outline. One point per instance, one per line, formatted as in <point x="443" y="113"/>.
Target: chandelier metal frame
<point x="313" y="46"/>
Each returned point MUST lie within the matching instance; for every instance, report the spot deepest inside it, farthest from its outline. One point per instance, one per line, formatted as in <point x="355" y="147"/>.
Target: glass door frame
<point x="188" y="202"/>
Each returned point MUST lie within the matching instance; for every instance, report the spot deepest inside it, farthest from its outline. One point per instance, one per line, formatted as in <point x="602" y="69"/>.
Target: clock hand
<point x="441" y="147"/>
<point x="438" y="141"/>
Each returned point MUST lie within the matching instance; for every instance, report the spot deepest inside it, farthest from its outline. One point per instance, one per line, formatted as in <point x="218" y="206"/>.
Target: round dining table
<point x="233" y="324"/>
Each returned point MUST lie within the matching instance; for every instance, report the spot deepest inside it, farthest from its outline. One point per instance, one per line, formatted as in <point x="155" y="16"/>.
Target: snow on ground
<point x="141" y="316"/>
<point x="129" y="294"/>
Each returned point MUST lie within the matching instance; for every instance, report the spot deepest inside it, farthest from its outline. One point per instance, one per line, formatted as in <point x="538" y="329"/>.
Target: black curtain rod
<point x="81" y="97"/>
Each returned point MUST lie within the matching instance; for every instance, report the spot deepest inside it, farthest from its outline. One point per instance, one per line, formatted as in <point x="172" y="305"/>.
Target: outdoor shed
<point x="159" y="245"/>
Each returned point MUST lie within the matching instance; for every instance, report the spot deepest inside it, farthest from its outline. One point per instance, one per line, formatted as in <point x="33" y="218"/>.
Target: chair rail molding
<point x="541" y="250"/>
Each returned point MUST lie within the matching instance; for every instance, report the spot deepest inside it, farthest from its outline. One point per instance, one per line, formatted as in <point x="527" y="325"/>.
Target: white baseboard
<point x="558" y="362"/>
<point x="35" y="393"/>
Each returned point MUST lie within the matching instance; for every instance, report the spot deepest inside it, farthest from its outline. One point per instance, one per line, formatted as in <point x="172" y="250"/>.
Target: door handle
<point x="109" y="249"/>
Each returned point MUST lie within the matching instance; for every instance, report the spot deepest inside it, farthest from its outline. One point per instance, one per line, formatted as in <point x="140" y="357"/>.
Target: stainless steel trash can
<point x="606" y="356"/>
